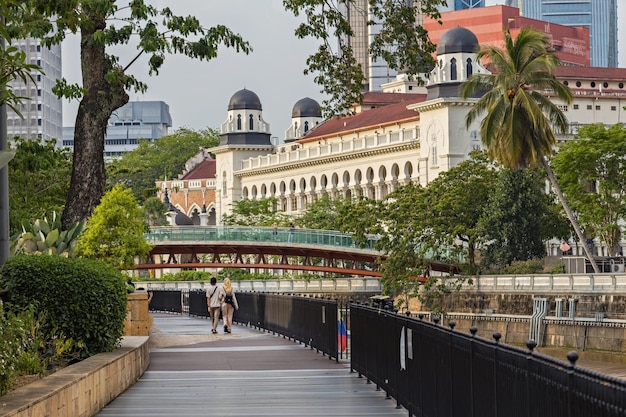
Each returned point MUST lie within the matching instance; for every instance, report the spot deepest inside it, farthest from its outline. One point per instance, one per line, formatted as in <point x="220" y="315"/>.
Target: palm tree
<point x="517" y="128"/>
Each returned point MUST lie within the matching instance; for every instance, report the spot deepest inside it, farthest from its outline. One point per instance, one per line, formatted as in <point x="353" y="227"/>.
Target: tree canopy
<point x="256" y="213"/>
<point x="161" y="159"/>
<point x="518" y="121"/>
<point x="397" y="37"/>
<point x="514" y="222"/>
<point x="39" y="178"/>
<point x="102" y="24"/>
<point x="592" y="171"/>
<point x="114" y="234"/>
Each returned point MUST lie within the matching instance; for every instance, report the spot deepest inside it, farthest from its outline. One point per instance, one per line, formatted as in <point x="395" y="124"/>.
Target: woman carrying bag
<point x="229" y="305"/>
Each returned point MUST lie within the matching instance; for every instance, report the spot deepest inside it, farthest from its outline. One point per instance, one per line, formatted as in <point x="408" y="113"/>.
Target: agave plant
<point x="5" y="157"/>
<point x="43" y="236"/>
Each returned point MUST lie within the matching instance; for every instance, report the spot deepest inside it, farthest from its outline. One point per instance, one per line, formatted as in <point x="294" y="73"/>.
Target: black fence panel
<point x="308" y="320"/>
<point x="435" y="371"/>
<point x="198" y="303"/>
<point x="166" y="300"/>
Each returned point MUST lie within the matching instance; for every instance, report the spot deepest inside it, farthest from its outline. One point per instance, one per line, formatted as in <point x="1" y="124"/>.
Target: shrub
<point x="532" y="266"/>
<point x="13" y="334"/>
<point x="82" y="300"/>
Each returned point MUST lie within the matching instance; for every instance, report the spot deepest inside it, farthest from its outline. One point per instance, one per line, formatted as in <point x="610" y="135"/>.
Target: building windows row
<point x="589" y="107"/>
<point x="593" y="84"/>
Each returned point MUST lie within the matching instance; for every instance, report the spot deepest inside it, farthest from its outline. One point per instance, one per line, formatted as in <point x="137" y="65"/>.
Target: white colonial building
<point x="406" y="134"/>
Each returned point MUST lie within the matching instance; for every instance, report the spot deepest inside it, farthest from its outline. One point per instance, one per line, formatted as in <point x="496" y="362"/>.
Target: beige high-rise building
<point x="43" y="111"/>
<point x="377" y="72"/>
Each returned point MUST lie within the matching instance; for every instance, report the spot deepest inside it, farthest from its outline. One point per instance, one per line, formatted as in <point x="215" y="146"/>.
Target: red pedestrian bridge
<point x="260" y="249"/>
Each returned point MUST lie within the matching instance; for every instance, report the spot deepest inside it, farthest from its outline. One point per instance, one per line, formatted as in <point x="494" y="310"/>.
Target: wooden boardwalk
<point x="246" y="373"/>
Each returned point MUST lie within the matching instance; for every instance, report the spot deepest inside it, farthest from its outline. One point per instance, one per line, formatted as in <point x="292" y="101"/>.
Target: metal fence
<point x="311" y="321"/>
<point x="435" y="371"/>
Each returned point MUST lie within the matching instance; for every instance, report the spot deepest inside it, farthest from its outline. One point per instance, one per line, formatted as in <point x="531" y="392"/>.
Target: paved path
<point x="246" y="373"/>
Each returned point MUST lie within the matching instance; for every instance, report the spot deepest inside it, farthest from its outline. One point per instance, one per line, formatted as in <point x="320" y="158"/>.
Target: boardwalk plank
<point x="248" y="373"/>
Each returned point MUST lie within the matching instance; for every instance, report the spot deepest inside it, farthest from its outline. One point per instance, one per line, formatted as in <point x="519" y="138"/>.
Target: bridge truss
<point x="259" y="257"/>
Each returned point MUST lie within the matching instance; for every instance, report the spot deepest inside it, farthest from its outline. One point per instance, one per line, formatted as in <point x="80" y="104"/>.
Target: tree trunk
<point x="100" y="99"/>
<point x="569" y="213"/>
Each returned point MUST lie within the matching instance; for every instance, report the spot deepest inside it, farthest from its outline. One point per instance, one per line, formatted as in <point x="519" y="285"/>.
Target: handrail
<point x="548" y="283"/>
<point x="256" y="234"/>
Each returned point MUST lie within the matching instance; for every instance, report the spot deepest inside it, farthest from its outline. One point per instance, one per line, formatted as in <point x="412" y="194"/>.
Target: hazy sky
<point x="198" y="92"/>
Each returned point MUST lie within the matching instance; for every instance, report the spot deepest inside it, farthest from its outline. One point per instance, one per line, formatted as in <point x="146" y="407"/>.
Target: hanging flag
<point x="342" y="336"/>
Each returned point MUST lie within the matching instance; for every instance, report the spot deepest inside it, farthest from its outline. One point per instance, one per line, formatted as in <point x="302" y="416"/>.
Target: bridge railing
<point x="255" y="234"/>
<point x="321" y="285"/>
<point x="548" y="283"/>
<point x="433" y="370"/>
<point x="311" y="321"/>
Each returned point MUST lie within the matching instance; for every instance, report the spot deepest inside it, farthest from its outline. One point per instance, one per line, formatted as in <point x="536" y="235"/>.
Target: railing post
<point x="473" y="330"/>
<point x="572" y="357"/>
<point x="531" y="345"/>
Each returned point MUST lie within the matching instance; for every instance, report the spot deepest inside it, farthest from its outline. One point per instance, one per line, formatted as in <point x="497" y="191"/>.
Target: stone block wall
<point x="82" y="389"/>
<point x="138" y="319"/>
<point x="610" y="306"/>
<point x="581" y="336"/>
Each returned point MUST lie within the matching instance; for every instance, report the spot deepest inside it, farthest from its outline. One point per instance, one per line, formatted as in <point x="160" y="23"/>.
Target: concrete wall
<point x="579" y="335"/>
<point x="82" y="389"/>
<point x="138" y="319"/>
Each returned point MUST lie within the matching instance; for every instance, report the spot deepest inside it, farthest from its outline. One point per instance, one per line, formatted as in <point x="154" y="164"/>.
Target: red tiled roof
<point x="204" y="170"/>
<point x="369" y="119"/>
<point x="591" y="72"/>
<point x="380" y="98"/>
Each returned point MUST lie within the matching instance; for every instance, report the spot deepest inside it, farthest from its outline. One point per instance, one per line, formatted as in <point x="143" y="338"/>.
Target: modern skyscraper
<point x="43" y="112"/>
<point x="377" y="72"/>
<point x="600" y="16"/>
<point x="468" y="4"/>
<point x="134" y="121"/>
<point x="461" y="5"/>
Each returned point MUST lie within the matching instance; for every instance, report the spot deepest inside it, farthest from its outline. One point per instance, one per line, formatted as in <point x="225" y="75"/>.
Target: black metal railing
<point x="435" y="371"/>
<point x="310" y="321"/>
<point x="166" y="300"/>
<point x="198" y="303"/>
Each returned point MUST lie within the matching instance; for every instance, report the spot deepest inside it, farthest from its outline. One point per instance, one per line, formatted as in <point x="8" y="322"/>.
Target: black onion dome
<point x="306" y="107"/>
<point x="457" y="40"/>
<point x="244" y="100"/>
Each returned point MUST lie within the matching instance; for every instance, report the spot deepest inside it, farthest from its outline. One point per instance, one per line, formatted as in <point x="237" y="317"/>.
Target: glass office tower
<point x="600" y="16"/>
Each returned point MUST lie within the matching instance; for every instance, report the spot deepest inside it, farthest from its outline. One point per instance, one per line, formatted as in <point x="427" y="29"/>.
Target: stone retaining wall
<point x="82" y="389"/>
<point x="589" y="336"/>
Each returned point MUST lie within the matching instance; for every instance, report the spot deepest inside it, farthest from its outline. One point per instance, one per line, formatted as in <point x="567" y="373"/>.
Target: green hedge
<point x="83" y="300"/>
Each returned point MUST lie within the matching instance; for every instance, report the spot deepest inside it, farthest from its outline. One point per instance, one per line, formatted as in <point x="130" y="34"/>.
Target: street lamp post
<point x="4" y="190"/>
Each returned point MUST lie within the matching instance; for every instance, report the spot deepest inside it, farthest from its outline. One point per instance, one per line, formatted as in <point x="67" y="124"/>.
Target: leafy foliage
<point x="256" y="213"/>
<point x="457" y="200"/>
<point x="27" y="348"/>
<point x="517" y="127"/>
<point x="39" y="177"/>
<point x="401" y="42"/>
<point x="512" y="224"/>
<point x="80" y="299"/>
<point x="592" y="172"/>
<point x="517" y="120"/>
<point x="154" y="211"/>
<point x="161" y="159"/>
<point x="359" y="216"/>
<point x="101" y="25"/>
<point x="114" y="234"/>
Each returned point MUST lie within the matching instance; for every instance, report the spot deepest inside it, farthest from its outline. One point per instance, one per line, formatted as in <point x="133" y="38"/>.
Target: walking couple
<point x="221" y="298"/>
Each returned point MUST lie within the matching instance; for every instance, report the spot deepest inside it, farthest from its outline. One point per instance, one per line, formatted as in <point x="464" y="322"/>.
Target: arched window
<point x="224" y="183"/>
<point x="468" y="67"/>
<point x="453" y="69"/>
<point x="251" y="123"/>
<point x="306" y="127"/>
<point x="238" y="122"/>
